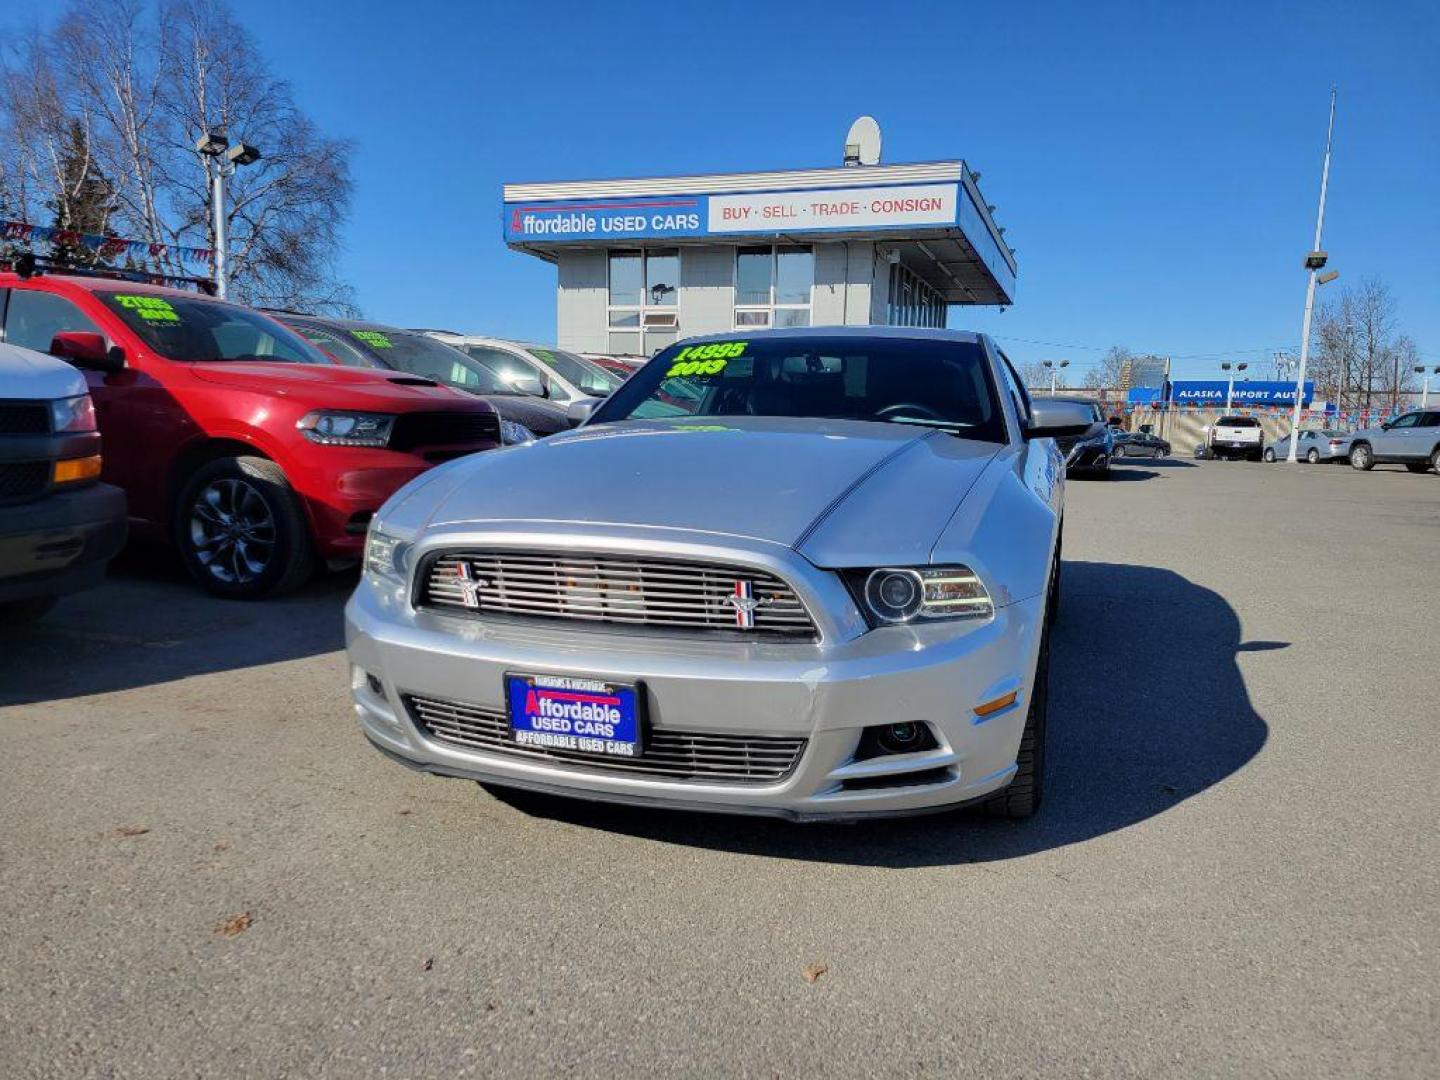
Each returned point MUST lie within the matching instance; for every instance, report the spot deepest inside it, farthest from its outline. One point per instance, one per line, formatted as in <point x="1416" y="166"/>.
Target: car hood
<point x="541" y="417"/>
<point x="334" y="386"/>
<point x="826" y="487"/>
<point x="26" y="374"/>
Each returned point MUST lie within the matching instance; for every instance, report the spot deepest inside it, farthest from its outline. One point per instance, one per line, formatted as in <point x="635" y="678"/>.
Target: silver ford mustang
<point x="807" y="573"/>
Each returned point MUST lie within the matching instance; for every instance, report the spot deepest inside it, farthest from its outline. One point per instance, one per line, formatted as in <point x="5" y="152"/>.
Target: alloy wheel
<point x="232" y="530"/>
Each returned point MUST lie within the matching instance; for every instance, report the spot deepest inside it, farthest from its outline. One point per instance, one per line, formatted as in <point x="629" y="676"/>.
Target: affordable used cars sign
<point x="834" y="210"/>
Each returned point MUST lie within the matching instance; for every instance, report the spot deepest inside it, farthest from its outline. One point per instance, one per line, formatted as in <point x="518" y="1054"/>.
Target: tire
<point x="20" y="612"/>
<point x="1435" y="460"/>
<point x="241" y="532"/>
<point x="1270" y="454"/>
<point x="1157" y="454"/>
<point x="1313" y="457"/>
<point x="1362" y="457"/>
<point x="1021" y="798"/>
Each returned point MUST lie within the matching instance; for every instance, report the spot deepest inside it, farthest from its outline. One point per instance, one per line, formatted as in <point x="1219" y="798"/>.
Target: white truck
<point x="59" y="526"/>
<point x="1237" y="436"/>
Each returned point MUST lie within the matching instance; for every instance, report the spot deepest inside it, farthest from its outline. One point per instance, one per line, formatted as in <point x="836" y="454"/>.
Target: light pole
<point x="1230" y="387"/>
<point x="1314" y="262"/>
<point x="1425" y="387"/>
<point x="1054" y="369"/>
<point x="226" y="159"/>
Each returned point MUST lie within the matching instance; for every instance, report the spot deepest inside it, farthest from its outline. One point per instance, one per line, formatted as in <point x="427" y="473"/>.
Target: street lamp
<point x="1425" y="389"/>
<point x="214" y="144"/>
<point x="1054" y="369"/>
<point x="1230" y="387"/>
<point x="1314" y="263"/>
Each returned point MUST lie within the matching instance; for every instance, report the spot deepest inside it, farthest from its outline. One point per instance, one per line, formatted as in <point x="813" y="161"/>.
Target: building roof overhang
<point x="930" y="214"/>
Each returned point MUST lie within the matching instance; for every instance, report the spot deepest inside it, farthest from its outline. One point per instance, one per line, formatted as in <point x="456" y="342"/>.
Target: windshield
<point x="943" y="384"/>
<point x="417" y="354"/>
<point x="335" y="343"/>
<point x="193" y="329"/>
<point x="585" y="375"/>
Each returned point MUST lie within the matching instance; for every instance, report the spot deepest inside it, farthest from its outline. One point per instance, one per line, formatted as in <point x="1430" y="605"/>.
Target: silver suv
<point x="1412" y="440"/>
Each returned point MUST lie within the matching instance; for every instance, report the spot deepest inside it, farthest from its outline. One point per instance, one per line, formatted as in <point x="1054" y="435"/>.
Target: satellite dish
<point x="862" y="144"/>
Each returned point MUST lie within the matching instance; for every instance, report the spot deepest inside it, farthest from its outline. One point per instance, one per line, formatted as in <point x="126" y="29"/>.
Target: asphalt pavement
<point x="206" y="871"/>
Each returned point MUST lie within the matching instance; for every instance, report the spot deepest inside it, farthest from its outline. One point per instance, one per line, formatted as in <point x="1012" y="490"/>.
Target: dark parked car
<point x="524" y="414"/>
<point x="1140" y="444"/>
<point x="1092" y="451"/>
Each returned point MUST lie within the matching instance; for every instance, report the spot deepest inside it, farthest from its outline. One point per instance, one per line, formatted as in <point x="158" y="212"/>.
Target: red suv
<point x="232" y="436"/>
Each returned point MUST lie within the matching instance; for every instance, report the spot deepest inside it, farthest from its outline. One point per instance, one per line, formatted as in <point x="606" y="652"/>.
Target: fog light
<point x="901" y="738"/>
<point x="376" y="686"/>
<point x="908" y="737"/>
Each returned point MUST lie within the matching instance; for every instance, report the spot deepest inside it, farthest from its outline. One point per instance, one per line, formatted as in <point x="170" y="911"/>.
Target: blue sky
<point x="1156" y="165"/>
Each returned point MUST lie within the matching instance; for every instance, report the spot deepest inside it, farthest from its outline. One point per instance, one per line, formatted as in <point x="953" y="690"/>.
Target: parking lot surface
<point x="206" y="871"/>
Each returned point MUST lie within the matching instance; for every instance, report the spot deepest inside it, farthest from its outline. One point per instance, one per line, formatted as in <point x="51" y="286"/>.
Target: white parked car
<point x="807" y="573"/>
<point x="563" y="377"/>
<point x="1315" y="445"/>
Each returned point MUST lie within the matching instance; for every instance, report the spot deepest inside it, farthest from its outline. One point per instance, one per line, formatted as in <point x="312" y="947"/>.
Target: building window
<point x="913" y="301"/>
<point x="644" y="300"/>
<point x="773" y="286"/>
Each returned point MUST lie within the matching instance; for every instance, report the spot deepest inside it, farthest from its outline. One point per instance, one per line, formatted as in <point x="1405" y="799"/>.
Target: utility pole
<point x="1314" y="262"/>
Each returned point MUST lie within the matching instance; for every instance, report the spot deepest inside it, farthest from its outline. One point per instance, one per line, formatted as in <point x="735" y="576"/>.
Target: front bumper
<point x="826" y="693"/>
<point x="61" y="542"/>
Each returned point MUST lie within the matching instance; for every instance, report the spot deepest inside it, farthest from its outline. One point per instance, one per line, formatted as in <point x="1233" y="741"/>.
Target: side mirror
<point x="1057" y="419"/>
<point x="529" y="384"/>
<point x="88" y="350"/>
<point x="579" y="410"/>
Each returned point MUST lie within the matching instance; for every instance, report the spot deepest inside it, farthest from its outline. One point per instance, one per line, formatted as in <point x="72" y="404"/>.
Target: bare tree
<point x="284" y="211"/>
<point x="115" y="97"/>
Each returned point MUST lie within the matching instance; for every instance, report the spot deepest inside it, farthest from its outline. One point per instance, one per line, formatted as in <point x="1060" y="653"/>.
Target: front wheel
<point x="1313" y="457"/>
<point x="1158" y="454"/>
<point x="1270" y="454"/>
<point x="1021" y="798"/>
<point x="241" y="532"/>
<point x="1362" y="458"/>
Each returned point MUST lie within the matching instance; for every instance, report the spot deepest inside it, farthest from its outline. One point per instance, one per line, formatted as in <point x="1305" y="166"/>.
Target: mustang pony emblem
<point x="470" y="585"/>
<point x="744" y="601"/>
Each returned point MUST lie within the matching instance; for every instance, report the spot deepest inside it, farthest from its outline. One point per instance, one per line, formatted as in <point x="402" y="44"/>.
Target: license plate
<point x="569" y="712"/>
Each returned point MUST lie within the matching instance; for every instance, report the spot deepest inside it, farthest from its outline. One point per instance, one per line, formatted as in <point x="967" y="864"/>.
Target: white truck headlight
<point x="73" y="414"/>
<point x="902" y="594"/>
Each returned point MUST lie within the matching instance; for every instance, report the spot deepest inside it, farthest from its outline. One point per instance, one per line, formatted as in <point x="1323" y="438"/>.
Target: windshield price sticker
<point x="149" y="308"/>
<point x="373" y="338"/>
<point x="705" y="359"/>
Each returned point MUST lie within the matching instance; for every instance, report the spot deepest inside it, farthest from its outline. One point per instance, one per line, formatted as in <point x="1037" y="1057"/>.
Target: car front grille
<point x="24" y="418"/>
<point x="23" y="479"/>
<point x="637" y="591"/>
<point x="417" y="429"/>
<point x="671" y="755"/>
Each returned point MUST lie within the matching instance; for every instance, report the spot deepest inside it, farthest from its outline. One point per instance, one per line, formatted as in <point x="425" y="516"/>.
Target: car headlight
<point x="902" y="594"/>
<point x="73" y="414"/>
<point x="343" y="428"/>
<point x="387" y="554"/>
<point x="513" y="433"/>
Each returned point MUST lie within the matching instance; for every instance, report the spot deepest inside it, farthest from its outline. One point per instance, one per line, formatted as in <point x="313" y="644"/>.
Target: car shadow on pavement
<point x="148" y="623"/>
<point x="1147" y="708"/>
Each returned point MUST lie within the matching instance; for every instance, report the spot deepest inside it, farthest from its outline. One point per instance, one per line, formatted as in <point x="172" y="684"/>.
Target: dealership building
<point x="641" y="262"/>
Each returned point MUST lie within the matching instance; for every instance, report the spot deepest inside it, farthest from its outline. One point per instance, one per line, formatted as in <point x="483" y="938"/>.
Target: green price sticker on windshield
<point x="373" y="338"/>
<point x="705" y="359"/>
<point x="149" y="308"/>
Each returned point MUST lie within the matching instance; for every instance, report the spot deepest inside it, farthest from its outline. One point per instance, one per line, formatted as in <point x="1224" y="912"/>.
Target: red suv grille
<point x="417" y="429"/>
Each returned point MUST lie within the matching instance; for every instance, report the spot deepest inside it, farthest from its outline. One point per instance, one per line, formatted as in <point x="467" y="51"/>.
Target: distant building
<point x="1143" y="371"/>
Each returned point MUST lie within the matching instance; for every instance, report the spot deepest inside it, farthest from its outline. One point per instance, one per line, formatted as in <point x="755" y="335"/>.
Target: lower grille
<point x="443" y="429"/>
<point x="23" y="479"/>
<point x="670" y="755"/>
